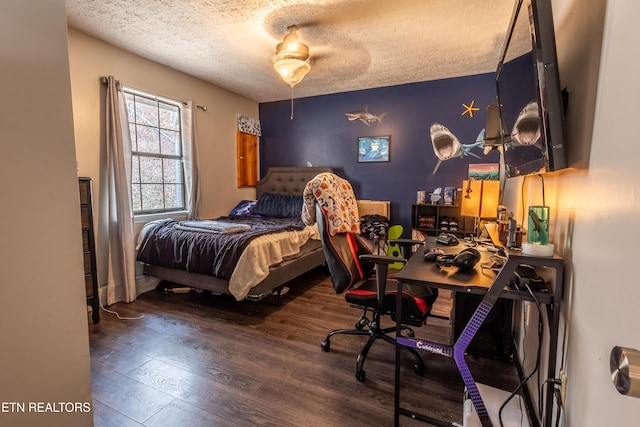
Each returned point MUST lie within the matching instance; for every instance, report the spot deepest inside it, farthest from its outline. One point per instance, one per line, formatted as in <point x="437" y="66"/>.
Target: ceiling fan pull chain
<point x="291" y="102"/>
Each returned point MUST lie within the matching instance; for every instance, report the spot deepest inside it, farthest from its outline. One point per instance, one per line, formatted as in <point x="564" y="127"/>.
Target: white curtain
<point x="191" y="160"/>
<point x="121" y="277"/>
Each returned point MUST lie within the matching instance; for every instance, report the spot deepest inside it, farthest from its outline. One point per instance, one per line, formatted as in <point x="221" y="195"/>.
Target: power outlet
<point x="563" y="387"/>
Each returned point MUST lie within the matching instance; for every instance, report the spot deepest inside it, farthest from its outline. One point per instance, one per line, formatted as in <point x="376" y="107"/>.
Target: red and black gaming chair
<point x="362" y="277"/>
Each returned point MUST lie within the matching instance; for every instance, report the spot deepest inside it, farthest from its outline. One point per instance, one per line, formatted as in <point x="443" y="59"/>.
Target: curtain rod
<point x="105" y="80"/>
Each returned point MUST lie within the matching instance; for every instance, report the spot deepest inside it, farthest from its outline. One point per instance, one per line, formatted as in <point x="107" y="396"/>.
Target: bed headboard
<point x="374" y="207"/>
<point x="288" y="180"/>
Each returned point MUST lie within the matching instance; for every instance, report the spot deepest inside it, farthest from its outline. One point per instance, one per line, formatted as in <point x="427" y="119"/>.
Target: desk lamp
<point x="480" y="200"/>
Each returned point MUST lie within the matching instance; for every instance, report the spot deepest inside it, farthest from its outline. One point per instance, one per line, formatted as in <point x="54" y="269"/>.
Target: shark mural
<point x="526" y="129"/>
<point x="447" y="146"/>
<point x="525" y="153"/>
<point x="364" y="116"/>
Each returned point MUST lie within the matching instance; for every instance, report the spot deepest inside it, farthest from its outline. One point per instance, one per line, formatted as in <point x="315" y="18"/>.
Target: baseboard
<point x="146" y="283"/>
<point x="143" y="284"/>
<point x="102" y="292"/>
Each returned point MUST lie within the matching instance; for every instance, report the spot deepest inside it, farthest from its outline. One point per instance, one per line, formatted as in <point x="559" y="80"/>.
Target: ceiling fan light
<point x="291" y="58"/>
<point x="292" y="70"/>
<point x="290" y="47"/>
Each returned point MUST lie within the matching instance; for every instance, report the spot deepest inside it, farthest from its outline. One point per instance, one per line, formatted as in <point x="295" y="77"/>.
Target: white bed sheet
<point x="263" y="253"/>
<point x="260" y="255"/>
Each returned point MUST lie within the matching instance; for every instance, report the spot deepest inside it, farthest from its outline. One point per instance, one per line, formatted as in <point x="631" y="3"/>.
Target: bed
<point x="264" y="265"/>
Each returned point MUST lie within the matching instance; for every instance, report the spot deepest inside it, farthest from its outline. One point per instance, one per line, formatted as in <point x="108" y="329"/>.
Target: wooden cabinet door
<point x="247" y="159"/>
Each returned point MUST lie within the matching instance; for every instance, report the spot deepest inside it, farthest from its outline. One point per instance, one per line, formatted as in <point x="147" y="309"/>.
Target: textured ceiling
<point x="354" y="44"/>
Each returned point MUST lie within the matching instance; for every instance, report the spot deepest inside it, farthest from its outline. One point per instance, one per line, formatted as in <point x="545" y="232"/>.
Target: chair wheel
<point x="418" y="369"/>
<point x="360" y="375"/>
<point x="361" y="322"/>
<point x="325" y="345"/>
<point x="411" y="333"/>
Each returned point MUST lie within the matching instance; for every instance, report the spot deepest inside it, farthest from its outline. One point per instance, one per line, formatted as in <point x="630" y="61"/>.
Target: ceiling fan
<point x="291" y="61"/>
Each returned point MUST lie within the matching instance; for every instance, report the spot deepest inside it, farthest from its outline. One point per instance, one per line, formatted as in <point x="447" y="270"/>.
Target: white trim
<point x="154" y="97"/>
<point x="144" y="218"/>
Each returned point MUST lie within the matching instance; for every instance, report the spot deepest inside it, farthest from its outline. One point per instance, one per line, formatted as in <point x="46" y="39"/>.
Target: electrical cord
<point x="554" y="382"/>
<point x="118" y="314"/>
<point x="514" y="392"/>
<point x="539" y="350"/>
<point x="544" y="203"/>
<point x="522" y="200"/>
<point x="535" y="299"/>
<point x="559" y="400"/>
<point x="540" y="408"/>
<point x="556" y="394"/>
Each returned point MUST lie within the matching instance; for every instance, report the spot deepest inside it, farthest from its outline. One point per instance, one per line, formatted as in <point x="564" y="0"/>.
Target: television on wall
<point x="528" y="93"/>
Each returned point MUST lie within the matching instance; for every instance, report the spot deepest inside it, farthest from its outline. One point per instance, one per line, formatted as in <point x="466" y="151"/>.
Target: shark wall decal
<point x="447" y="146"/>
<point x="364" y="116"/>
<point x="526" y="129"/>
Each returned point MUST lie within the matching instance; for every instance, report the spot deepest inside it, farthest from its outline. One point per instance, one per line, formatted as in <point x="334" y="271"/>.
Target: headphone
<point x="464" y="260"/>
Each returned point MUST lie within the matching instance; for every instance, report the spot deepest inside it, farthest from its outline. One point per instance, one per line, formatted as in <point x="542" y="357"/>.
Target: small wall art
<point x="484" y="171"/>
<point x="374" y="149"/>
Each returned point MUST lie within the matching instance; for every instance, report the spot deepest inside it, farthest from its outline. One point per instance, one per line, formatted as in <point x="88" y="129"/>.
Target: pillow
<point x="278" y="205"/>
<point x="244" y="208"/>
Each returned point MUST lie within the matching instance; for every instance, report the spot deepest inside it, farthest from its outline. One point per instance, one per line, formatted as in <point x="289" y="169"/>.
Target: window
<point x="157" y="173"/>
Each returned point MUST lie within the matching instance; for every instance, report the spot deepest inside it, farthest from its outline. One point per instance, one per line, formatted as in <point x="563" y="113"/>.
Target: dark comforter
<point x="206" y="253"/>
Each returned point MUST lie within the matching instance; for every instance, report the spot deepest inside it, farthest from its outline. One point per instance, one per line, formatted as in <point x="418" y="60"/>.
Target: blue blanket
<point x="214" y="254"/>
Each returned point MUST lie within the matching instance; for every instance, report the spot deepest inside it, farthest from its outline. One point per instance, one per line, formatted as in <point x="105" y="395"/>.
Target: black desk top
<point x="476" y="281"/>
<point x="419" y="271"/>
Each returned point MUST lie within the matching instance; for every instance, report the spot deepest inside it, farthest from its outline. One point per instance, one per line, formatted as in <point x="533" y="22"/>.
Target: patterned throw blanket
<point x="335" y="196"/>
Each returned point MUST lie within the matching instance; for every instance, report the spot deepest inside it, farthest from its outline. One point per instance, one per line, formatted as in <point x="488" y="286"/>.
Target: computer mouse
<point x="432" y="254"/>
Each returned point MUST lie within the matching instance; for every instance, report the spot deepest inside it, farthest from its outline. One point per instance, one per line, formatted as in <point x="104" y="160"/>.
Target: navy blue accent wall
<point x="321" y="134"/>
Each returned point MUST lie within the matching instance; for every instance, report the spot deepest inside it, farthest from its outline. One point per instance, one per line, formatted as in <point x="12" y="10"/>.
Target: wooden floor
<point x="204" y="360"/>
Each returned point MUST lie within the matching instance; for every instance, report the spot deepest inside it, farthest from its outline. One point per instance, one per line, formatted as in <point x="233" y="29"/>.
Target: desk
<point x="492" y="286"/>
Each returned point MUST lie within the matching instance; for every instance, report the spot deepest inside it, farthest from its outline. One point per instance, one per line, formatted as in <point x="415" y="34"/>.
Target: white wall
<point x="91" y="58"/>
<point x="605" y="270"/>
<point x="594" y="204"/>
<point x="43" y="314"/>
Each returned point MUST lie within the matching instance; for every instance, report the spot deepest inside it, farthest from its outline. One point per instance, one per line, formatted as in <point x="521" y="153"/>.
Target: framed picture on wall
<point x="484" y="171"/>
<point x="374" y="149"/>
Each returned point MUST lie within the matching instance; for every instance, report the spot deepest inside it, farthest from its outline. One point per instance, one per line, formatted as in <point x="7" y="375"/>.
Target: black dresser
<point x="89" y="248"/>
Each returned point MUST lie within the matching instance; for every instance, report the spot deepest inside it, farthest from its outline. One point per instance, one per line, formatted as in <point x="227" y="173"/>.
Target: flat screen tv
<point x="528" y="93"/>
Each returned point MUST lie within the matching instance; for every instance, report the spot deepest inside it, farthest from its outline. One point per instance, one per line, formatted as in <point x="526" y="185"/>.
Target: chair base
<point x="374" y="332"/>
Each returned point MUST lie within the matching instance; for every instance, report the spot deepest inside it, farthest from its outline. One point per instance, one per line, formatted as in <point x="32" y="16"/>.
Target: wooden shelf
<point x="430" y="219"/>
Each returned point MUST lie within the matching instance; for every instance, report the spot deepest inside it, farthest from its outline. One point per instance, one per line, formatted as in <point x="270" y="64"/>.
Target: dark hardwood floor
<point x="204" y="360"/>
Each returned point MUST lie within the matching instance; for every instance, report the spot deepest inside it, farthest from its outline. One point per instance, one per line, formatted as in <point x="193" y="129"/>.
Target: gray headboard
<point x="288" y="180"/>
